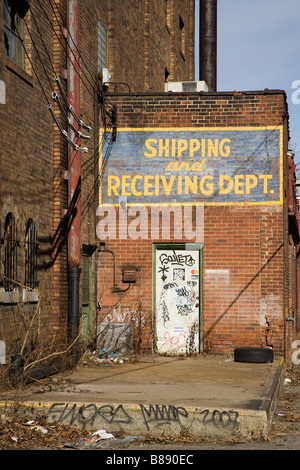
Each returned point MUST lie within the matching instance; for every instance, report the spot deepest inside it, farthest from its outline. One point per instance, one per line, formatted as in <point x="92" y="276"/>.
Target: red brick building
<point x="245" y="244"/>
<point x="42" y="55"/>
<point x="228" y="152"/>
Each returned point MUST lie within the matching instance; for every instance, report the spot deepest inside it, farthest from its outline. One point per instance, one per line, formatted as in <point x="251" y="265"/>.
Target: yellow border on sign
<point x="200" y="129"/>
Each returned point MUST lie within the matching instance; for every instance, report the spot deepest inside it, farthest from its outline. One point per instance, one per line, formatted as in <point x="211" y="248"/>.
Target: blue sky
<point x="258" y="48"/>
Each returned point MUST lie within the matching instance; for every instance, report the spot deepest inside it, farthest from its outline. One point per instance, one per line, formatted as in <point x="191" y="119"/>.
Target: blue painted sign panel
<point x="191" y="166"/>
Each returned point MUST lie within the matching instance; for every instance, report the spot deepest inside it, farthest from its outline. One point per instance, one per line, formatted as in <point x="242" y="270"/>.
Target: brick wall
<point x="245" y="263"/>
<point x="26" y="186"/>
<point x="33" y="151"/>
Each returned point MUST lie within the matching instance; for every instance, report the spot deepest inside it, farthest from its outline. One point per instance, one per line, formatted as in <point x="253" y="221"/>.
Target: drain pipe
<point x="208" y="43"/>
<point x="74" y="172"/>
<point x="74" y="205"/>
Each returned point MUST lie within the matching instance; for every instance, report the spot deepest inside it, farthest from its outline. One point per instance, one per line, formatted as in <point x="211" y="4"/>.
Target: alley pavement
<point x="203" y="396"/>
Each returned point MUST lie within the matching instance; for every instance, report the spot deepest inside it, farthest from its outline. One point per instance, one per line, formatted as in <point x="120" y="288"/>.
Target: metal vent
<point x="189" y="86"/>
<point x="186" y="87"/>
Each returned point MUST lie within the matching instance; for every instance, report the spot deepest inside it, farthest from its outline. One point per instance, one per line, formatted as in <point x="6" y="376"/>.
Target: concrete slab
<point x="204" y="396"/>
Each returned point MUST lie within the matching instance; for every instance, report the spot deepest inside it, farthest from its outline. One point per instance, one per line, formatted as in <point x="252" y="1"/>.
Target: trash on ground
<point x="36" y="427"/>
<point x="103" y="440"/>
<point x="103" y="434"/>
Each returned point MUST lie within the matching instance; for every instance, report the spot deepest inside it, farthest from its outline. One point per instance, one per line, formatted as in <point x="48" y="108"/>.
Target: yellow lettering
<point x="229" y="180"/>
<point x="173" y="147"/>
<point x="113" y="187"/>
<point x="133" y="185"/>
<point x="265" y="179"/>
<point x="191" y="185"/>
<point x="203" y="144"/>
<point x="167" y="186"/>
<point x="208" y="189"/>
<point x="168" y="147"/>
<point x="199" y="165"/>
<point x="183" y="165"/>
<point x="225" y="150"/>
<point x="196" y="166"/>
<point x="179" y="184"/>
<point x="148" y="185"/>
<point x="182" y="146"/>
<point x="149" y="147"/>
<point x="125" y="185"/>
<point x="163" y="147"/>
<point x="251" y="182"/>
<point x="212" y="148"/>
<point x="194" y="146"/>
<point x="238" y="188"/>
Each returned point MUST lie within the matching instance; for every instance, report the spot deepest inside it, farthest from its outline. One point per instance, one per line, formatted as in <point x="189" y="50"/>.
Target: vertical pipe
<point x="74" y="169"/>
<point x="208" y="43"/>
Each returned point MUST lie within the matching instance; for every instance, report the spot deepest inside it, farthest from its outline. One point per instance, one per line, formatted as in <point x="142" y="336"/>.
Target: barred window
<point x="31" y="250"/>
<point x="10" y="252"/>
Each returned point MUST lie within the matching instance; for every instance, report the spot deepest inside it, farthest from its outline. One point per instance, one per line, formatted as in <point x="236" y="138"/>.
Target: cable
<point x="56" y="98"/>
<point x="38" y="54"/>
<point x="65" y="46"/>
<point x="78" y="134"/>
<point x="75" y="146"/>
<point x="79" y="121"/>
<point x="51" y="66"/>
<point x="70" y="36"/>
<point x="43" y="42"/>
<point x="28" y="56"/>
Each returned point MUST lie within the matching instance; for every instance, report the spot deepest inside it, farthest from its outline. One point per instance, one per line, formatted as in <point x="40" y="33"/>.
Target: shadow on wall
<point x="212" y="327"/>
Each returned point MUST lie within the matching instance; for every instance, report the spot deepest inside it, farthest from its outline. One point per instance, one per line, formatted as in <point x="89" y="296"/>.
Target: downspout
<point x="18" y="375"/>
<point x="74" y="172"/>
<point x="208" y="43"/>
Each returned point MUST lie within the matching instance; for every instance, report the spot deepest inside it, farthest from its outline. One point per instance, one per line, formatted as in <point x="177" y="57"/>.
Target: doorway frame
<point x="180" y="246"/>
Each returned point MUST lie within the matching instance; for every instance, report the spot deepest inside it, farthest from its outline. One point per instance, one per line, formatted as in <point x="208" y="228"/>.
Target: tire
<point x="257" y="355"/>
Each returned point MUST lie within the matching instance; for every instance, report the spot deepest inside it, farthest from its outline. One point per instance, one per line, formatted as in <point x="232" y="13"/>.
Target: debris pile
<point x="104" y="356"/>
<point x="18" y="433"/>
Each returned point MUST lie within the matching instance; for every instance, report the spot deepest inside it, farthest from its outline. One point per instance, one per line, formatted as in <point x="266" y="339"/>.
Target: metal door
<point x="177" y="298"/>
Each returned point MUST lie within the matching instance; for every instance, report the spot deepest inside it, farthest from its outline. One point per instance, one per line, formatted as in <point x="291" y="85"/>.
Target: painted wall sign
<point x="241" y="165"/>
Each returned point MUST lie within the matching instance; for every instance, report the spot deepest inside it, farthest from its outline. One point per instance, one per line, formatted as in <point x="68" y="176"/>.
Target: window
<point x="167" y="74"/>
<point x="31" y="249"/>
<point x="182" y="35"/>
<point x="14" y="11"/>
<point x="10" y="252"/>
<point x="102" y="46"/>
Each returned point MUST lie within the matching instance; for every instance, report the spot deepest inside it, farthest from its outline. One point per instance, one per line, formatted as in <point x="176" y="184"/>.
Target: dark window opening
<point x="14" y="12"/>
<point x="167" y="73"/>
<point x="182" y="35"/>
<point x="10" y="253"/>
<point x="31" y="250"/>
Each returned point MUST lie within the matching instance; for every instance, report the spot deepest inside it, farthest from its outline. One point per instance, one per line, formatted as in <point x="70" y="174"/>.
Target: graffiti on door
<point x="177" y="305"/>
